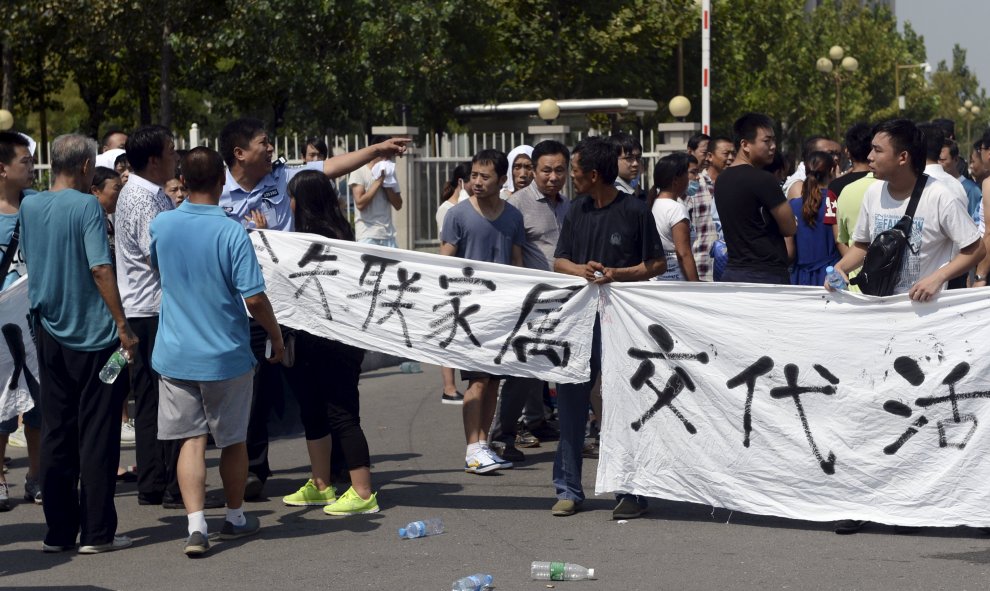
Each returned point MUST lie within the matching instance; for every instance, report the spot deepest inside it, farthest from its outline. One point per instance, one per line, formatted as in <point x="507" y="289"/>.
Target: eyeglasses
<point x="631" y="159"/>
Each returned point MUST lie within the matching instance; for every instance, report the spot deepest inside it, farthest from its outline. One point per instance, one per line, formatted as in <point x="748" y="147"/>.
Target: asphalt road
<point x="495" y="524"/>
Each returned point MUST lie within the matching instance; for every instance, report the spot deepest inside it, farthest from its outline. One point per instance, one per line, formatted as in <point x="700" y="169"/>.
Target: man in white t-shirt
<point x="376" y="193"/>
<point x="941" y="223"/>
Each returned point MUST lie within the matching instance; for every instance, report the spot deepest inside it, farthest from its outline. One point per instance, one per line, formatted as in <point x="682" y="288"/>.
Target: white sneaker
<point x="480" y="463"/>
<point x="16" y="439"/>
<point x="503" y="464"/>
<point x="126" y="432"/>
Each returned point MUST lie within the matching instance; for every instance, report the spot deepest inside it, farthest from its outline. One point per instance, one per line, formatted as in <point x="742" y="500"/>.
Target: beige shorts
<point x="190" y="409"/>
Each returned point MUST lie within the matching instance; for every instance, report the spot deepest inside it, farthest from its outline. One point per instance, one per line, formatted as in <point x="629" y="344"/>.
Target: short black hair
<point x="720" y="139"/>
<point x="905" y="137"/>
<point x="953" y="148"/>
<point x="601" y="155"/>
<point x="934" y="140"/>
<point x="668" y="168"/>
<point x="695" y="140"/>
<point x="978" y="145"/>
<point x="985" y="139"/>
<point x="809" y="145"/>
<point x="238" y="134"/>
<point x="121" y="159"/>
<point x="202" y="169"/>
<point x="948" y="127"/>
<point x="319" y="144"/>
<point x="748" y="127"/>
<point x="146" y="142"/>
<point x="626" y="142"/>
<point x="104" y="174"/>
<point x="549" y="148"/>
<point x="494" y="157"/>
<point x="9" y="140"/>
<point x="859" y="140"/>
<point x="110" y="133"/>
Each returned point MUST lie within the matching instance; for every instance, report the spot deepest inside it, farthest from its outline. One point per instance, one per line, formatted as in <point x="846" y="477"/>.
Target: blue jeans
<point x="572" y="410"/>
<point x="380" y="242"/>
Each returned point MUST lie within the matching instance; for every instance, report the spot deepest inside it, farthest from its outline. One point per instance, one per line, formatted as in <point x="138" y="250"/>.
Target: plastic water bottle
<point x="560" y="571"/>
<point x="410" y="367"/>
<point x="472" y="583"/>
<point x="835" y="279"/>
<point x="112" y="369"/>
<point x="419" y="529"/>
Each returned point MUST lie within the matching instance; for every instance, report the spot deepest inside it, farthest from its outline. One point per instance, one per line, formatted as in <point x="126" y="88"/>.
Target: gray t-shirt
<point x="479" y="239"/>
<point x="543" y="220"/>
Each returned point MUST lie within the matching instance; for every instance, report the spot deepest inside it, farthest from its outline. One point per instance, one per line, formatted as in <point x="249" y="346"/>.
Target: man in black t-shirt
<point x="754" y="213"/>
<point x="858" y="145"/>
<point x="607" y="236"/>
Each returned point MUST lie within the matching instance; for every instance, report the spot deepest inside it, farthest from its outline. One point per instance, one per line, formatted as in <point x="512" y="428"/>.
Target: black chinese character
<point x="909" y="369"/>
<point x="377" y="293"/>
<point x="457" y="316"/>
<point x="321" y="254"/>
<point x="546" y="310"/>
<point x="676" y="383"/>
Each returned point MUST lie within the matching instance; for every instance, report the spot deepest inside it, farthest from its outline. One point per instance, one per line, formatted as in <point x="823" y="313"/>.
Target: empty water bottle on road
<point x="410" y="367"/>
<point x="419" y="529"/>
<point x="560" y="571"/>
<point x="473" y="583"/>
<point x="835" y="279"/>
<point x="112" y="369"/>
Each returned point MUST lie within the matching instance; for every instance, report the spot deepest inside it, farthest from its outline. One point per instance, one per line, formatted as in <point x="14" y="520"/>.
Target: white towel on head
<point x="107" y="158"/>
<point x="516" y="152"/>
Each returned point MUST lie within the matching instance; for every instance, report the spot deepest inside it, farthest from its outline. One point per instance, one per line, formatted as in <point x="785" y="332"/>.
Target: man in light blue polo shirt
<point x="208" y="273"/>
<point x="255" y="195"/>
<point x="79" y="324"/>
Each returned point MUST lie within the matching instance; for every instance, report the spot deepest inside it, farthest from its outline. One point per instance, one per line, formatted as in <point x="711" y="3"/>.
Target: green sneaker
<point x="310" y="496"/>
<point x="350" y="503"/>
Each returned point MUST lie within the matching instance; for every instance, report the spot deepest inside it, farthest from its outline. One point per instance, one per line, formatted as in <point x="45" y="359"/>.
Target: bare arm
<point x="794" y="191"/>
<point x="394" y="198"/>
<point x="567" y="267"/>
<point x="682" y="246"/>
<point x="641" y="272"/>
<point x="261" y="310"/>
<point x="340" y="165"/>
<point x="984" y="266"/>
<point x="784" y="217"/>
<point x="447" y="249"/>
<point x="106" y="284"/>
<point x="927" y="287"/>
<point x="791" y="248"/>
<point x="517" y="259"/>
<point x="841" y="246"/>
<point x="852" y="260"/>
<point x="363" y="197"/>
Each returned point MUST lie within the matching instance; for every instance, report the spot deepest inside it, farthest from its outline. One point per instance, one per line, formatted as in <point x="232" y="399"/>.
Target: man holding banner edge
<point x="607" y="236"/>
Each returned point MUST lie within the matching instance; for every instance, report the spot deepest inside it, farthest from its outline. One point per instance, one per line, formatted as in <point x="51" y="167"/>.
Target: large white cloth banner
<point x="18" y="358"/>
<point x="792" y="402"/>
<point x="443" y="310"/>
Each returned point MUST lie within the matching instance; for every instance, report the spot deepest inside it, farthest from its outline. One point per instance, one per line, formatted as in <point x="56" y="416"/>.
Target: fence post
<point x="193" y="136"/>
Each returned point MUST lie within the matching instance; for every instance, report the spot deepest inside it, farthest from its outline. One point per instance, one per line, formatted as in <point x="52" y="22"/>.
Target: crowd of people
<point x="142" y="250"/>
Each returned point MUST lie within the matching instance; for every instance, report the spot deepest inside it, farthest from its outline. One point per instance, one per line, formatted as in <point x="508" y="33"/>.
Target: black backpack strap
<point x="919" y="187"/>
<point x="8" y="255"/>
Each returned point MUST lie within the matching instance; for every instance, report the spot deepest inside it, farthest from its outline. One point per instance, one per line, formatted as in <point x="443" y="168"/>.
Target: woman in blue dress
<point x="813" y="247"/>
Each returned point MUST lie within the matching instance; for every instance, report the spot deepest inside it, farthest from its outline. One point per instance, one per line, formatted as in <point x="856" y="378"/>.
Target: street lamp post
<point x="969" y="111"/>
<point x="901" y="102"/>
<point x="833" y="65"/>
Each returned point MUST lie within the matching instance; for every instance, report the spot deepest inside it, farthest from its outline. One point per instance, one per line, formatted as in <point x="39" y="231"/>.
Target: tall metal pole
<point x="706" y="55"/>
<point x="838" y="98"/>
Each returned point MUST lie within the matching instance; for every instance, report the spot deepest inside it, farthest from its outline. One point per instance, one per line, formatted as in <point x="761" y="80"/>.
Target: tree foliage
<point x="345" y="65"/>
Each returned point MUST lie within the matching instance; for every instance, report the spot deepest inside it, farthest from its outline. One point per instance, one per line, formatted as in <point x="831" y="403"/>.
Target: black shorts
<point x="468" y="375"/>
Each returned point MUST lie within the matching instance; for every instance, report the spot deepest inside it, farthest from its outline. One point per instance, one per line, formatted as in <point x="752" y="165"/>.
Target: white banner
<point x="466" y="314"/>
<point x="18" y="357"/>
<point x="787" y="401"/>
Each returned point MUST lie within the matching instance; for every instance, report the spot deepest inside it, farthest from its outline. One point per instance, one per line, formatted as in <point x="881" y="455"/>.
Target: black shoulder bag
<point x="885" y="257"/>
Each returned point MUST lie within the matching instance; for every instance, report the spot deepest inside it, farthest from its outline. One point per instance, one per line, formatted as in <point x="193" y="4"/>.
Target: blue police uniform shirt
<point x="63" y="237"/>
<point x="270" y="197"/>
<point x="207" y="267"/>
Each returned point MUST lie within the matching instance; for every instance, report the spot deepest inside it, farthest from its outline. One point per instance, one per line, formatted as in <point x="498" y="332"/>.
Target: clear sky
<point x="945" y="23"/>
